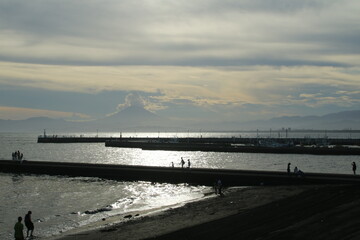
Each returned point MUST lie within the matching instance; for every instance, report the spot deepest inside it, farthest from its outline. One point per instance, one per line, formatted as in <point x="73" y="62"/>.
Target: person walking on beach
<point x="215" y="187"/>
<point x="354" y="167"/>
<point x="182" y="163"/>
<point x="219" y="187"/>
<point x="19" y="228"/>
<point x="29" y="224"/>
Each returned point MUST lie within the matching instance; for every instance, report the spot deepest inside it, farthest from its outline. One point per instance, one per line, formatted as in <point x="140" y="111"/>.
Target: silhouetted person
<point x="300" y="173"/>
<point x="29" y="224"/>
<point x="219" y="187"/>
<point x="182" y="163"/>
<point x="19" y="228"/>
<point x="288" y="168"/>
<point x="189" y="164"/>
<point x="354" y="167"/>
<point x="216" y="187"/>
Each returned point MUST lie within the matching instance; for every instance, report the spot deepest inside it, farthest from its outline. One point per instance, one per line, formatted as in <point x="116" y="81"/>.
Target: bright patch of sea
<point x="62" y="203"/>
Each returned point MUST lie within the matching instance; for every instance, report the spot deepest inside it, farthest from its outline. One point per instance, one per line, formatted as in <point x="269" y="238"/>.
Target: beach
<point x="263" y="212"/>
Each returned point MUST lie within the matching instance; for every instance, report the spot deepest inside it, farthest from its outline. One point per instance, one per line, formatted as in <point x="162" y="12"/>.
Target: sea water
<point x="62" y="203"/>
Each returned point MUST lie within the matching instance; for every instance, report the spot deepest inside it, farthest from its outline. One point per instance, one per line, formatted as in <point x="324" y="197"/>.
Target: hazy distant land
<point x="139" y="119"/>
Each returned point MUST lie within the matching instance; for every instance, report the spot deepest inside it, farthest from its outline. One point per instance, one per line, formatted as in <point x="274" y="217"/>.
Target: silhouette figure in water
<point x="19" y="227"/>
<point x="29" y="224"/>
<point x="354" y="167"/>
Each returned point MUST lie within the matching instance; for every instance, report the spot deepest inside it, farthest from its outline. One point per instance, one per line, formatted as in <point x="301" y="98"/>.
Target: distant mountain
<point x="131" y="117"/>
<point x="33" y="124"/>
<point x="338" y="121"/>
<point x="139" y="119"/>
<point x="346" y="115"/>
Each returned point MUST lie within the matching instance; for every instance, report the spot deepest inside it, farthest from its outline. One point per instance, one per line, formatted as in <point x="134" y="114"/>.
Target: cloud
<point x="200" y="85"/>
<point x="348" y="92"/>
<point x="205" y="56"/>
<point x="307" y="95"/>
<point x="134" y="99"/>
<point x="201" y="33"/>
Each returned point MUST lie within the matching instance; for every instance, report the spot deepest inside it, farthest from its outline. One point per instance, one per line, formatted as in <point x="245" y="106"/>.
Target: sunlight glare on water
<point x="61" y="203"/>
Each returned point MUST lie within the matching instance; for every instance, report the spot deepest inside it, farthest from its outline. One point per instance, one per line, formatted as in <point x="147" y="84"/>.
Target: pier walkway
<point x="195" y="176"/>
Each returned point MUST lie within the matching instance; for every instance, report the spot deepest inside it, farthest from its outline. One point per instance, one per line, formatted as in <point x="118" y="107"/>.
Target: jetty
<point x="227" y="147"/>
<point x="194" y="176"/>
<point x="213" y="140"/>
<point x="318" y="146"/>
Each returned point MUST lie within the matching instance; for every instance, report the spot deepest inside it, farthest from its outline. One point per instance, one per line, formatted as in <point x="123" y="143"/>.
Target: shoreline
<point x="123" y="218"/>
<point x="172" y="219"/>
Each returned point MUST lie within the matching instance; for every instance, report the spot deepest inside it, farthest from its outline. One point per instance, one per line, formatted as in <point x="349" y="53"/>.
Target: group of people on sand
<point x="19" y="227"/>
<point x="17" y="155"/>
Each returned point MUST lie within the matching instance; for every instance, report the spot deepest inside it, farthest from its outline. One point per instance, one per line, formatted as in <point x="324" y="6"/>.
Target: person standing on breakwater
<point x="189" y="164"/>
<point x="29" y="224"/>
<point x="288" y="168"/>
<point x="17" y="155"/>
<point x="354" y="167"/>
<point x="19" y="227"/>
<point x="182" y="163"/>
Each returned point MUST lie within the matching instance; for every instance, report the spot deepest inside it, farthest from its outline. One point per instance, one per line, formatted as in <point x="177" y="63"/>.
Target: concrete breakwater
<point x="224" y="147"/>
<point x="213" y="140"/>
<point x="195" y="176"/>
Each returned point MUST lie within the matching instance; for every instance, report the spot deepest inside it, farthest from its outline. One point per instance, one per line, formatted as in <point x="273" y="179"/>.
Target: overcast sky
<point x="205" y="59"/>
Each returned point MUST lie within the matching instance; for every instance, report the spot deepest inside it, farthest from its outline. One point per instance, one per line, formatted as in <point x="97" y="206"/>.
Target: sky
<point x="222" y="60"/>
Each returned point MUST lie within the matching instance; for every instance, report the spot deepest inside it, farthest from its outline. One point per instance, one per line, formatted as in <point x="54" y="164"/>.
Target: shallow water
<point x="61" y="203"/>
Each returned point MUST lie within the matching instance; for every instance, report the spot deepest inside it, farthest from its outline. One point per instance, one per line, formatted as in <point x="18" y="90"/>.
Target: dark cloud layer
<point x="191" y="59"/>
<point x="179" y="33"/>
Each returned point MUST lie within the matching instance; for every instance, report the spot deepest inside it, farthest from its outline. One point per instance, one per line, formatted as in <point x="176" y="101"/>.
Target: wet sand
<point x="294" y="212"/>
<point x="242" y="212"/>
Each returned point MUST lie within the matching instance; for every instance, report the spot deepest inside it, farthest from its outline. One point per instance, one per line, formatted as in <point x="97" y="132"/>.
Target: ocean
<point x="62" y="203"/>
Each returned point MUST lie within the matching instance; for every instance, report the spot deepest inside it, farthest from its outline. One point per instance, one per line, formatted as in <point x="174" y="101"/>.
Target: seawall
<point x="209" y="147"/>
<point x="195" y="176"/>
<point x="213" y="140"/>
